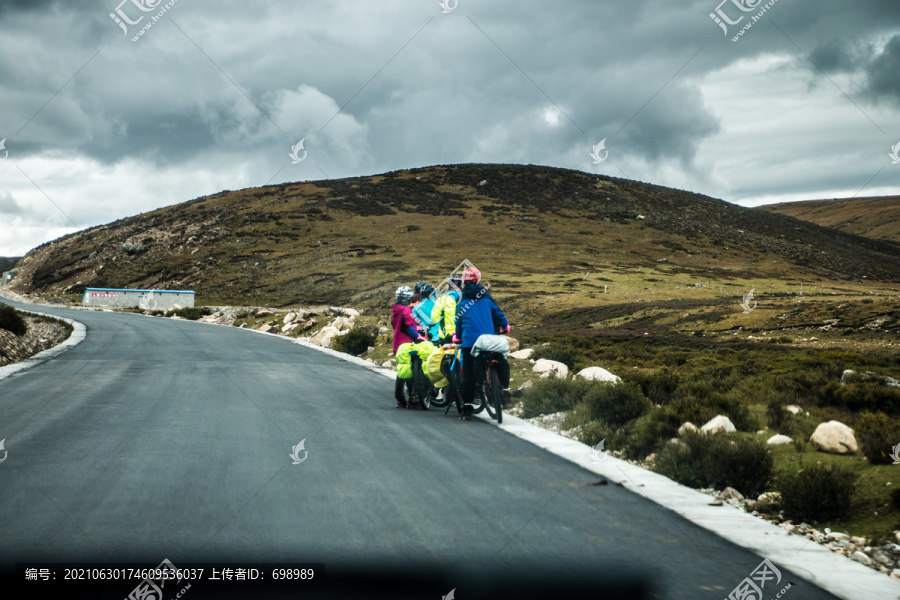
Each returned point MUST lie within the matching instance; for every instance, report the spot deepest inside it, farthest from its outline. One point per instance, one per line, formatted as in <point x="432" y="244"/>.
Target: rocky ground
<point x="43" y="333"/>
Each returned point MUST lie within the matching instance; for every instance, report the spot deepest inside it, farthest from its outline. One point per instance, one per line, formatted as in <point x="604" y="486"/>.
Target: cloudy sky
<point x="100" y="122"/>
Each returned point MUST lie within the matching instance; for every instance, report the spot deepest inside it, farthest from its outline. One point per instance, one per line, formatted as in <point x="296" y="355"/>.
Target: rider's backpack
<point x="491" y="343"/>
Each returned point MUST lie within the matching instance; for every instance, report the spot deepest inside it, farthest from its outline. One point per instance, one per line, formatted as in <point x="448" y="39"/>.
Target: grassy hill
<point x="536" y="232"/>
<point x="876" y="218"/>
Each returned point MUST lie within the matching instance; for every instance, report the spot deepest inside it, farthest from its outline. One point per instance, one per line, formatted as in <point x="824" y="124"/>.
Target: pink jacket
<point x="402" y="320"/>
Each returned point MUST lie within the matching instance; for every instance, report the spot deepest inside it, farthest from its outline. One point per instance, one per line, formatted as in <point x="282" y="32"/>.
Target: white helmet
<point x="404" y="292"/>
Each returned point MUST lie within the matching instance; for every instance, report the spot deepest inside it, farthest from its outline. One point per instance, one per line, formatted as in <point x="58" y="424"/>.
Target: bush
<point x="717" y="461"/>
<point x="553" y="395"/>
<point x="615" y="404"/>
<point x="877" y="434"/>
<point x="658" y="386"/>
<point x="861" y="395"/>
<point x="816" y="493"/>
<point x="12" y="321"/>
<point x="355" y="342"/>
<point x="192" y="313"/>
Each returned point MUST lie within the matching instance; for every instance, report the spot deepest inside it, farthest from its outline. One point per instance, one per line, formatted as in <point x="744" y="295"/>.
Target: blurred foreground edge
<point x="374" y="582"/>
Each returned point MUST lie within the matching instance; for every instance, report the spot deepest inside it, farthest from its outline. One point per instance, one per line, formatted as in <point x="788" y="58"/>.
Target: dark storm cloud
<point x="215" y="94"/>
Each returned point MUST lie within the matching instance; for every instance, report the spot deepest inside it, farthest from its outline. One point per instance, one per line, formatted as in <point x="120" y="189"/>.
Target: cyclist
<point x="405" y="331"/>
<point x="444" y="311"/>
<point x="422" y="310"/>
<point x="477" y="314"/>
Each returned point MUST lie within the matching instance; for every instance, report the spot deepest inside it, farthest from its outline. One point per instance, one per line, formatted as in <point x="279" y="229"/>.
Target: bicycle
<point x="422" y="386"/>
<point x="491" y="391"/>
<point x="452" y="364"/>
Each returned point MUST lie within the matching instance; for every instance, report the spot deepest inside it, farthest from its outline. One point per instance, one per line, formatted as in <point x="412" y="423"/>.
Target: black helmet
<point x="420" y="285"/>
<point x="427" y="289"/>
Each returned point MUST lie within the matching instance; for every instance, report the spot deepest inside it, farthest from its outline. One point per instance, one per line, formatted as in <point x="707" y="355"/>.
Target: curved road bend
<point x="162" y="438"/>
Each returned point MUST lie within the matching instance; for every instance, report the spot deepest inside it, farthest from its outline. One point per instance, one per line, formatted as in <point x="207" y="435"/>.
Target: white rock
<point x="835" y="437"/>
<point x="550" y="368"/>
<point x="861" y="558"/>
<point x="289" y="327"/>
<point x="289" y="318"/>
<point x="793" y="408"/>
<point x="719" y="424"/>
<point x="837" y="536"/>
<point x="383" y="330"/>
<point x="513" y="343"/>
<point x="598" y="374"/>
<point x="324" y="337"/>
<point x="777" y="440"/>
<point x="525" y="386"/>
<point x="686" y="427"/>
<point x="522" y="354"/>
<point x="265" y="328"/>
<point x="730" y="493"/>
<point x="769" y="497"/>
<point x="342" y="324"/>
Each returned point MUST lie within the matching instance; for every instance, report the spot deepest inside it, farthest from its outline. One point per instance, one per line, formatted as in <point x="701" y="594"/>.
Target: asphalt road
<point x="158" y="438"/>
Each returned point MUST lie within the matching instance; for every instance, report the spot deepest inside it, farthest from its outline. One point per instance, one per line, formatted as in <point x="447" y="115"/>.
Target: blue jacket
<point x="422" y="314"/>
<point x="477" y="315"/>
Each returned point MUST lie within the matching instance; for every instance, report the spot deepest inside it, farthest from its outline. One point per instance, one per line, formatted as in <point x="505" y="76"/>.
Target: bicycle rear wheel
<point x="496" y="395"/>
<point x="486" y="393"/>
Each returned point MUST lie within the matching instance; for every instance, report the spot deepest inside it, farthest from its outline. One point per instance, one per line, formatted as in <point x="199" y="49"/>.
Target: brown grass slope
<point x="877" y="218"/>
<point x="534" y="230"/>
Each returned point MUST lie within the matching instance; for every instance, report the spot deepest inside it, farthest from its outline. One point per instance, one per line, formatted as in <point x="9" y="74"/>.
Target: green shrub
<point x="615" y="404"/>
<point x="553" y="395"/>
<point x="659" y="386"/>
<point x="12" y="321"/>
<point x="355" y="342"/>
<point x="192" y="313"/>
<point x="717" y="461"/>
<point x="877" y="434"/>
<point x="861" y="395"/>
<point x="816" y="493"/>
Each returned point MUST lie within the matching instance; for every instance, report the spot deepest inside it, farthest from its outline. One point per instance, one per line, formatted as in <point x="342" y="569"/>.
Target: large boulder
<point x="266" y="328"/>
<point x="522" y="354"/>
<point x="550" y="368"/>
<point x="324" y="337"/>
<point x="513" y="343"/>
<point x="598" y="374"/>
<point x="289" y="318"/>
<point x="719" y="424"/>
<point x="344" y="312"/>
<point x="835" y="437"/>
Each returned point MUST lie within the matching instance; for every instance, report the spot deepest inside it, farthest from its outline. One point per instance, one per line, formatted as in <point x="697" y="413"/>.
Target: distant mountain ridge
<point x="538" y="230"/>
<point x="876" y="218"/>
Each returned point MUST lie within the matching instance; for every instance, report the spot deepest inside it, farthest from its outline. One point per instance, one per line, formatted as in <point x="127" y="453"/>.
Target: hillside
<point x="876" y="218"/>
<point x="7" y="262"/>
<point x="546" y="238"/>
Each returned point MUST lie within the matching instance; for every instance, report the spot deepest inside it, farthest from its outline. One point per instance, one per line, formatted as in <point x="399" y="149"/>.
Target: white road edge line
<point x="833" y="572"/>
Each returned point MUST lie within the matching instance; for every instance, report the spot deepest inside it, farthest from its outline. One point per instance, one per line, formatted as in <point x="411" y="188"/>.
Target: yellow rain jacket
<point x="444" y="313"/>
